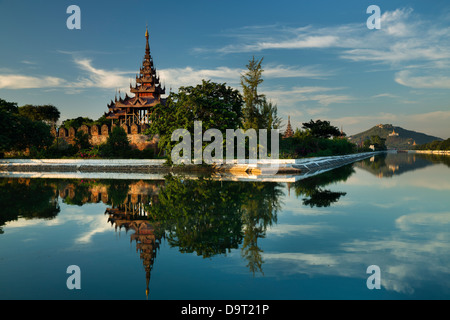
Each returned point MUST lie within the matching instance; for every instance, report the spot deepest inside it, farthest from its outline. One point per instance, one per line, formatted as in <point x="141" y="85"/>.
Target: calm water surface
<point x="204" y="239"/>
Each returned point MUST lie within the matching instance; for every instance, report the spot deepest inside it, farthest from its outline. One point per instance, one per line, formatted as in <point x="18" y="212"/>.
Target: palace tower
<point x="147" y="94"/>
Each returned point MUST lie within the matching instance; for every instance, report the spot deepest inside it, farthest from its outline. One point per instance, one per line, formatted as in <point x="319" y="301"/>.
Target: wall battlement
<point x="99" y="135"/>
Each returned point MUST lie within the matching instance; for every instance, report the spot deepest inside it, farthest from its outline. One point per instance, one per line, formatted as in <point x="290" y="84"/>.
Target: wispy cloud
<point x="422" y="81"/>
<point x="322" y="95"/>
<point x="405" y="41"/>
<point x="100" y="78"/>
<point x="90" y="76"/>
<point x="17" y="81"/>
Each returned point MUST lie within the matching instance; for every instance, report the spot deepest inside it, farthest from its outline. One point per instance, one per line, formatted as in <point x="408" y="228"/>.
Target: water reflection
<point x="203" y="216"/>
<point x="210" y="218"/>
<point x="27" y="199"/>
<point x="313" y="187"/>
<point x="389" y="164"/>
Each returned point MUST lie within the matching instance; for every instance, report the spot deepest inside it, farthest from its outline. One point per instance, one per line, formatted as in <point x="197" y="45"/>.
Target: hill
<point x="396" y="137"/>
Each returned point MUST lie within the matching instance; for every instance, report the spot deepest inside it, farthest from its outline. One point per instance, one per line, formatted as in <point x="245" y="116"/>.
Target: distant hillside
<point x="396" y="137"/>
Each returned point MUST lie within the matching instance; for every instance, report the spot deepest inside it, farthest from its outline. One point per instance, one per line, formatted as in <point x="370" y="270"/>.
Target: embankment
<point x="157" y="166"/>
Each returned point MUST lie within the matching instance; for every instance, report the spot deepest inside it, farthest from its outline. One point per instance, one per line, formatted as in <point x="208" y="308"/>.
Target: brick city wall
<point x="99" y="135"/>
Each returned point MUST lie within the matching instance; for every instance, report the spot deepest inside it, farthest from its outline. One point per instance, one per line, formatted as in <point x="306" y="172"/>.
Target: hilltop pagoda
<point x="147" y="91"/>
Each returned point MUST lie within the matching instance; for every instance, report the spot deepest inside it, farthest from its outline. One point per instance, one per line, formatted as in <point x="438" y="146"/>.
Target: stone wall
<point x="99" y="135"/>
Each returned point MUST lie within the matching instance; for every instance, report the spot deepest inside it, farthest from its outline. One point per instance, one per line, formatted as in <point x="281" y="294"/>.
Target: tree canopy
<point x="378" y="143"/>
<point x="47" y="113"/>
<point x="216" y="105"/>
<point x="321" y="129"/>
<point x="20" y="133"/>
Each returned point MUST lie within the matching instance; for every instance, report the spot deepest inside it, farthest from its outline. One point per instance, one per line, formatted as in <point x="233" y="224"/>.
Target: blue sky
<point x="320" y="59"/>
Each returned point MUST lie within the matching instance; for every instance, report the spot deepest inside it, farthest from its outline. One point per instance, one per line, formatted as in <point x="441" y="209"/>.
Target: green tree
<point x="8" y="107"/>
<point x="117" y="144"/>
<point x="82" y="141"/>
<point x="269" y="117"/>
<point x="76" y="123"/>
<point x="258" y="113"/>
<point x="20" y="133"/>
<point x="321" y="129"/>
<point x="216" y="105"/>
<point x="378" y="143"/>
<point x="254" y="101"/>
<point x="46" y="113"/>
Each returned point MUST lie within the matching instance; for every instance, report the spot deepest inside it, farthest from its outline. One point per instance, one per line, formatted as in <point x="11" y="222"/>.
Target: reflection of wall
<point x="139" y="193"/>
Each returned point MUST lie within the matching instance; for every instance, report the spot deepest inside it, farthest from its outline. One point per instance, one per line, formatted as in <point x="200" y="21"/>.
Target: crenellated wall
<point x="99" y="135"/>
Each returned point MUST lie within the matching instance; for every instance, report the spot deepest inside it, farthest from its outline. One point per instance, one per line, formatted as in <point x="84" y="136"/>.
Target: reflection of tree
<point x="434" y="158"/>
<point x="260" y="211"/>
<point x="316" y="195"/>
<point x="78" y="193"/>
<point x="376" y="163"/>
<point x="200" y="216"/>
<point x="211" y="217"/>
<point x="27" y="199"/>
<point x="117" y="191"/>
<point x="203" y="216"/>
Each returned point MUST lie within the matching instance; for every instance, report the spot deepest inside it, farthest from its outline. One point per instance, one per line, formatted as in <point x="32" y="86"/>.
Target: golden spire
<point x="147" y="47"/>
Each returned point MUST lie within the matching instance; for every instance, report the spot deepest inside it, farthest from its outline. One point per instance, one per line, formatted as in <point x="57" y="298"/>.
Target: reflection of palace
<point x="146" y="235"/>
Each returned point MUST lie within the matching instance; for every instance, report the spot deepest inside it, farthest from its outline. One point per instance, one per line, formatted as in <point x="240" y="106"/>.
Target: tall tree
<point x="254" y="101"/>
<point x="269" y="116"/>
<point x="258" y="113"/>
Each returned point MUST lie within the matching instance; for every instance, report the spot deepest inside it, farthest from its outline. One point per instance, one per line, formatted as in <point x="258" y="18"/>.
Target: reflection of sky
<point x="87" y="219"/>
<point x="401" y="224"/>
<point x="35" y="255"/>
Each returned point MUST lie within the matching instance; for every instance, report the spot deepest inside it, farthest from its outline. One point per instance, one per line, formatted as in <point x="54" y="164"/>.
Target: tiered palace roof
<point x="147" y="91"/>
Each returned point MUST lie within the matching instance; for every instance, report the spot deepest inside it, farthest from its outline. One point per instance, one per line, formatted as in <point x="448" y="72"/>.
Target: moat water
<point x="205" y="239"/>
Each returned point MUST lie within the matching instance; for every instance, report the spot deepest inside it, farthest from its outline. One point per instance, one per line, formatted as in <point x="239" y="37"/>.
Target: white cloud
<point x="406" y="40"/>
<point x="288" y="229"/>
<point x="408" y="79"/>
<point x="93" y="77"/>
<point x="100" y="78"/>
<point x="15" y="81"/>
<point x="292" y="96"/>
<point x="410" y="257"/>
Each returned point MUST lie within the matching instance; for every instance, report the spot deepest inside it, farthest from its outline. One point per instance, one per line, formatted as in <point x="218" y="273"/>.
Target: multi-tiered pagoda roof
<point x="147" y="94"/>
<point x="289" y="133"/>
